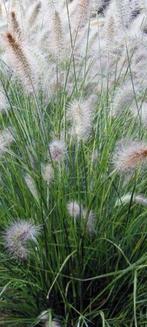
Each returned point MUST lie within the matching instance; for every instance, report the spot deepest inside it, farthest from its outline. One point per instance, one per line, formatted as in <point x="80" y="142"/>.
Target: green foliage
<point x="84" y="279"/>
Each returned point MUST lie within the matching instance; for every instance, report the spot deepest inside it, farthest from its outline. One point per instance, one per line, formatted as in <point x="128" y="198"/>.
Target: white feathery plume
<point x="138" y="25"/>
<point x="122" y="99"/>
<point x="123" y="12"/>
<point x="80" y="13"/>
<point x="74" y="209"/>
<point x="80" y="116"/>
<point x="90" y="223"/>
<point x="44" y="318"/>
<point x="83" y="9"/>
<point x="110" y="31"/>
<point x="57" y="150"/>
<point x="4" y="104"/>
<point x="140" y="112"/>
<point x="57" y="39"/>
<point x="47" y="173"/>
<point x="6" y="138"/>
<point x="95" y="156"/>
<point x="31" y="186"/>
<point x="33" y="13"/>
<point x="54" y="323"/>
<point x="125" y="199"/>
<point x="136" y="198"/>
<point x="129" y="155"/>
<point x="17" y="236"/>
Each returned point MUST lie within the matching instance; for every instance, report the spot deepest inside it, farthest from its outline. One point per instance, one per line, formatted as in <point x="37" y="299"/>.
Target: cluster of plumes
<point x="17" y="237"/>
<point x="77" y="211"/>
<point x="51" y="37"/>
<point x="68" y="42"/>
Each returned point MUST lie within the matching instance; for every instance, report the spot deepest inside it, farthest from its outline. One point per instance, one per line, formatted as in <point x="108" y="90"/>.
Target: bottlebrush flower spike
<point x="14" y="25"/>
<point x="129" y="155"/>
<point x="54" y="323"/>
<point x="3" y="102"/>
<point x="90" y="216"/>
<point x="33" y="14"/>
<point x="123" y="98"/>
<point x="57" y="34"/>
<point x="32" y="186"/>
<point x="140" y="113"/>
<point x="6" y="138"/>
<point x="47" y="173"/>
<point x="57" y="150"/>
<point x="17" y="236"/>
<point x="74" y="209"/>
<point x="80" y="116"/>
<point x="82" y="12"/>
<point x="136" y="198"/>
<point x="47" y="322"/>
<point x="20" y="60"/>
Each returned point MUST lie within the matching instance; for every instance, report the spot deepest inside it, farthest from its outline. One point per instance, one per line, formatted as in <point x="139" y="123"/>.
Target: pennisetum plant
<point x="73" y="155"/>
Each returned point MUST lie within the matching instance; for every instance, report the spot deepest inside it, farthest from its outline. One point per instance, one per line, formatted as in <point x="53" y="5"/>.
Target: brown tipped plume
<point x="14" y="25"/>
<point x="21" y="62"/>
<point x="130" y="155"/>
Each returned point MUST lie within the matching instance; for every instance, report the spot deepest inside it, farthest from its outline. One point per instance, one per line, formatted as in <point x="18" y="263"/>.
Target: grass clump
<point x="73" y="199"/>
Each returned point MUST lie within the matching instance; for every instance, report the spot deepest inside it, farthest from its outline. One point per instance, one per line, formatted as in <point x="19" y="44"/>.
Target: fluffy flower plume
<point x="6" y="138"/>
<point x="122" y="99"/>
<point x="136" y="198"/>
<point x="31" y="186"/>
<point x="33" y="14"/>
<point x="83" y="12"/>
<point x="57" y="35"/>
<point x="140" y="112"/>
<point x="14" y="25"/>
<point x="54" y="323"/>
<point x="80" y="116"/>
<point x="90" y="220"/>
<point x="17" y="236"/>
<point x="129" y="155"/>
<point x="57" y="149"/>
<point x="44" y="318"/>
<point x="20" y="59"/>
<point x="47" y="173"/>
<point x="3" y="102"/>
<point x="74" y="209"/>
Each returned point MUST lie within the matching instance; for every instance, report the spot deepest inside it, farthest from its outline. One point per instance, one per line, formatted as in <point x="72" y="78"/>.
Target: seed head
<point x="31" y="185"/>
<point x="17" y="236"/>
<point x="6" y="138"/>
<point x="74" y="209"/>
<point x="14" y="25"/>
<point x="47" y="173"/>
<point x="33" y="14"/>
<point x="57" y="149"/>
<point x="21" y="60"/>
<point x="136" y="198"/>
<point x="80" y="116"/>
<point x="90" y="216"/>
<point x="129" y="155"/>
